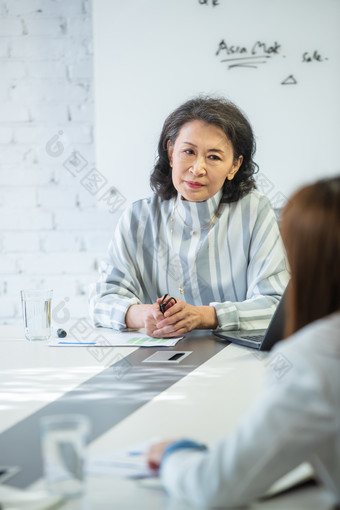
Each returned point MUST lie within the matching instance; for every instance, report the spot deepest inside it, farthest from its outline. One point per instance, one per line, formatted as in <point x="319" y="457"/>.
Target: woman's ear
<point x="236" y="166"/>
<point x="170" y="149"/>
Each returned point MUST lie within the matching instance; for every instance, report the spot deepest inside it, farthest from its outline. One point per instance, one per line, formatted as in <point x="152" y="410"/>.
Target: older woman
<point x="206" y="237"/>
<point x="296" y="417"/>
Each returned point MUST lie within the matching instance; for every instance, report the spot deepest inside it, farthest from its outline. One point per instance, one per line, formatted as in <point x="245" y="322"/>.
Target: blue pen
<point x="78" y="343"/>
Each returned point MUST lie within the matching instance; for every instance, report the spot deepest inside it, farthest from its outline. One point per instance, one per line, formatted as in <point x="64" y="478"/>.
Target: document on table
<point x="124" y="462"/>
<point x="131" y="463"/>
<point x="88" y="336"/>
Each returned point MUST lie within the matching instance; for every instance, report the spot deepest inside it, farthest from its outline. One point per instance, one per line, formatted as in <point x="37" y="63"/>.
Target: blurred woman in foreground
<point x="296" y="418"/>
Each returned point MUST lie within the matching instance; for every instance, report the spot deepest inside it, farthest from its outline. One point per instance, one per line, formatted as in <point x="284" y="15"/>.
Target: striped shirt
<point x="236" y="264"/>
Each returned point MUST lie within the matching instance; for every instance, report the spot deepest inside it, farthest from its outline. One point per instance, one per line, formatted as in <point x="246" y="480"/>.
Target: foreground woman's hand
<point x="155" y="454"/>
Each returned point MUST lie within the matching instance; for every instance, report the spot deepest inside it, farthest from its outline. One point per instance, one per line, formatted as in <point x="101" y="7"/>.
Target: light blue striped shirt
<point x="236" y="264"/>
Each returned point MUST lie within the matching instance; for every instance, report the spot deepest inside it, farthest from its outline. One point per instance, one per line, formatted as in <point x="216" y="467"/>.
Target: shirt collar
<point x="197" y="214"/>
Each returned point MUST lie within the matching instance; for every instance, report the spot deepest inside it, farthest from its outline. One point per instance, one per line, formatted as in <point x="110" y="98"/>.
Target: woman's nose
<point x="198" y="168"/>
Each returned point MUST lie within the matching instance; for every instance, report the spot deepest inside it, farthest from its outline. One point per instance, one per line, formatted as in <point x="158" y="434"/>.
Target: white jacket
<point x="296" y="418"/>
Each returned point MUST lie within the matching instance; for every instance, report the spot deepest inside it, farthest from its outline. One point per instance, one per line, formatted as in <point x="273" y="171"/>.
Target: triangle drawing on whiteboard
<point x="289" y="81"/>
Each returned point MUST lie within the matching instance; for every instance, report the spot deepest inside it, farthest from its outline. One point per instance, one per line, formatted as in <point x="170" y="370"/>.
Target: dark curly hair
<point x="234" y="124"/>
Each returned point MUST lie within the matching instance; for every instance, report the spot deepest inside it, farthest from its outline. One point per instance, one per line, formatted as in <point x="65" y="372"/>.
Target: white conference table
<point x="204" y="404"/>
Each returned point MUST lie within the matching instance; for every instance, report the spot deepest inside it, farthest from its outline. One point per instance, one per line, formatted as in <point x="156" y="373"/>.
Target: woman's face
<point x="202" y="158"/>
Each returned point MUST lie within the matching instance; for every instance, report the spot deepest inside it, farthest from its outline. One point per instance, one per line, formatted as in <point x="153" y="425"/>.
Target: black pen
<point x="163" y="304"/>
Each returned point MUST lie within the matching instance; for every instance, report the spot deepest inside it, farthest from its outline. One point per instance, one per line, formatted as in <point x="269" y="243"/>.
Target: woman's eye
<point x="189" y="151"/>
<point x="214" y="157"/>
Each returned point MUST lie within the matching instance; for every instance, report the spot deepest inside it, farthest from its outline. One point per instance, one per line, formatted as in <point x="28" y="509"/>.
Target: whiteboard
<point x="278" y="60"/>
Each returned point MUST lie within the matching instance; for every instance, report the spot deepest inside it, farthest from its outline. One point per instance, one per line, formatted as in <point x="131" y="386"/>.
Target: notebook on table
<point x="260" y="339"/>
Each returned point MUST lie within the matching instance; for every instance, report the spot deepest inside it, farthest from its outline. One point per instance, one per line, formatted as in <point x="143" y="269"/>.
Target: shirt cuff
<point x="227" y="315"/>
<point x="187" y="444"/>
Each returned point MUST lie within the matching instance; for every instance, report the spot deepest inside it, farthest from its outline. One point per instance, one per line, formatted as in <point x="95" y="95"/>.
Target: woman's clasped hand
<point x="178" y="319"/>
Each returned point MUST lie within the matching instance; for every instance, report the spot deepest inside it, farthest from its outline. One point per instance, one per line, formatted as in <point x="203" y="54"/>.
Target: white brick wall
<point x="52" y="233"/>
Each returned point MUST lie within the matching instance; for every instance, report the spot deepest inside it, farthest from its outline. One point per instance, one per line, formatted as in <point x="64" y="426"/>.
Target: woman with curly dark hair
<point x="232" y="122"/>
<point x="206" y="237"/>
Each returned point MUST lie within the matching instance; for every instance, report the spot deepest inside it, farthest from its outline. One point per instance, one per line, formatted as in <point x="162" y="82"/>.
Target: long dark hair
<point x="232" y="121"/>
<point x="311" y="233"/>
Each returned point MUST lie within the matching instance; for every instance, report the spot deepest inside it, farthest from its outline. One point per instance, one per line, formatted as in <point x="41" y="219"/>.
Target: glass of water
<point x="63" y="439"/>
<point x="36" y="309"/>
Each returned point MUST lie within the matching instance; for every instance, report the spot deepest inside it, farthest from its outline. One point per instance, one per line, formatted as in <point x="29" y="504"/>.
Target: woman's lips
<point x="194" y="185"/>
